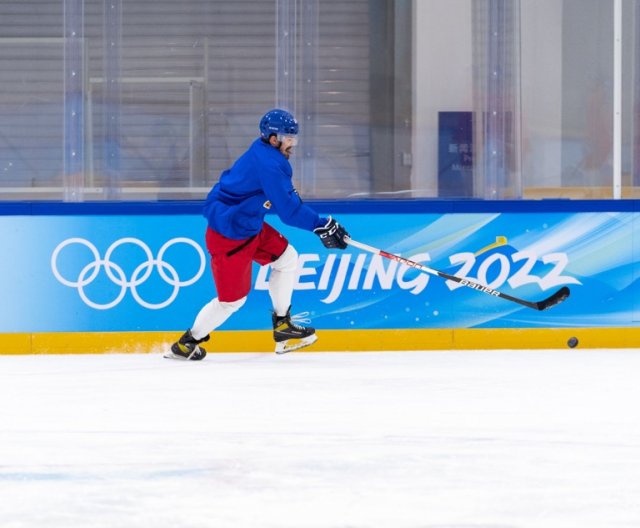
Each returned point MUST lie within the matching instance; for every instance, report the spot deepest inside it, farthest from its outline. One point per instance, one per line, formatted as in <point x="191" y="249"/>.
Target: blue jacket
<point x="258" y="181"/>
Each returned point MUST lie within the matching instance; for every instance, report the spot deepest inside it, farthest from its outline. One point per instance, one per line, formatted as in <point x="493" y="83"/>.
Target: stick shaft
<point x="552" y="300"/>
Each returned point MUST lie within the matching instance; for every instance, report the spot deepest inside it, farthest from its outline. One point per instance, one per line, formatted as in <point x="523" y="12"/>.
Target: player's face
<point x="286" y="144"/>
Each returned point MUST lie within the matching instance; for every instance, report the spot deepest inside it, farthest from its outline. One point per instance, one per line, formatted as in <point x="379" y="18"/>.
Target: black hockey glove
<point x="332" y="234"/>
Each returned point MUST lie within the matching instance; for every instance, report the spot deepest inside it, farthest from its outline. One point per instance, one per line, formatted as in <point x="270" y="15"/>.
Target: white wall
<point x="443" y="82"/>
<point x="541" y="82"/>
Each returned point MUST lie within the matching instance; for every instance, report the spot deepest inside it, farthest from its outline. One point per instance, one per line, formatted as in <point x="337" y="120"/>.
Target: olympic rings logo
<point x="117" y="275"/>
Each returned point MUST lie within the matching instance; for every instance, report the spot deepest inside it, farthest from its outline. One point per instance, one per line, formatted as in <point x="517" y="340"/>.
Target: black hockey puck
<point x="573" y="342"/>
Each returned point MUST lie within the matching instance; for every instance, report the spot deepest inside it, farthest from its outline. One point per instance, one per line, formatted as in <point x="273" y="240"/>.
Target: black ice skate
<point x="187" y="348"/>
<point x="290" y="336"/>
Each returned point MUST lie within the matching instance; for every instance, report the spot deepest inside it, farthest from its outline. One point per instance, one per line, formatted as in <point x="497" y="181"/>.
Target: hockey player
<point x="236" y="235"/>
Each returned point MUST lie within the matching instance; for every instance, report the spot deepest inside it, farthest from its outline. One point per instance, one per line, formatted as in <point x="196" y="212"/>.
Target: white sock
<point x="212" y="315"/>
<point x="283" y="276"/>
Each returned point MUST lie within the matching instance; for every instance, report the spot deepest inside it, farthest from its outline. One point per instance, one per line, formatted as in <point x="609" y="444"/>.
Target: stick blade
<point x="554" y="299"/>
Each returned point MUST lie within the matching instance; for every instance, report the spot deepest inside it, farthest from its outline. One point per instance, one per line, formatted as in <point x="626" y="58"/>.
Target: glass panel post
<point x="74" y="101"/>
<point x="497" y="95"/>
<point x="635" y="94"/>
<point x="308" y="96"/>
<point x="286" y="54"/>
<point x="112" y="99"/>
<point x="197" y="134"/>
<point x="617" y="99"/>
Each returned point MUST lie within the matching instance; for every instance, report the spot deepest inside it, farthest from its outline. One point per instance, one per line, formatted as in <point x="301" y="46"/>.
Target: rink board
<point x="98" y="277"/>
<point x="257" y="341"/>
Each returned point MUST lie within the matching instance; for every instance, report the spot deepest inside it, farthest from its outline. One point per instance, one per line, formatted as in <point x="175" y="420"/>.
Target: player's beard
<point x="286" y="152"/>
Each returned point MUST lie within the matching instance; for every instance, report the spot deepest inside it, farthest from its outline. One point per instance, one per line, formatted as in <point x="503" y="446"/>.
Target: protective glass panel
<point x="490" y="99"/>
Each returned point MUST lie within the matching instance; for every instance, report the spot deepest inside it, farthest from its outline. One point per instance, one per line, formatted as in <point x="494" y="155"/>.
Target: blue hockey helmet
<point x="278" y="122"/>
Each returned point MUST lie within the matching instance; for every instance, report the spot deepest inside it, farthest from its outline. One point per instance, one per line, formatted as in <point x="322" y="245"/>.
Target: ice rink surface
<point x="503" y="439"/>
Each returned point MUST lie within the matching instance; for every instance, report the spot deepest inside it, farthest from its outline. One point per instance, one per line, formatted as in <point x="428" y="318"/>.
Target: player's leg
<point x="284" y="263"/>
<point x="282" y="279"/>
<point x="232" y="274"/>
<point x="213" y="314"/>
<point x="210" y="317"/>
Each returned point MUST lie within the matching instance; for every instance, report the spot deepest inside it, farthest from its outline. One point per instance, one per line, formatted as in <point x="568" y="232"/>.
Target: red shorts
<point x="231" y="259"/>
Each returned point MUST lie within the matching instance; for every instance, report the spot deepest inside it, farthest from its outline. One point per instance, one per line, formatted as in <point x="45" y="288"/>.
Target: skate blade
<point x="287" y="346"/>
<point x="171" y="355"/>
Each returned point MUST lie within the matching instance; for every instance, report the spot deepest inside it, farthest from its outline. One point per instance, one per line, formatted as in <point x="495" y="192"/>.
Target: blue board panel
<point x="128" y="272"/>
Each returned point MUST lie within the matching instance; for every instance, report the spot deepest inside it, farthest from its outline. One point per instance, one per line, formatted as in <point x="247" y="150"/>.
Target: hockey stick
<point x="552" y="300"/>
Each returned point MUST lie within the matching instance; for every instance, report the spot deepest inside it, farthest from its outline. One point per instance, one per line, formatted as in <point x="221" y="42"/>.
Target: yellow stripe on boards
<point x="328" y="340"/>
<point x="15" y="344"/>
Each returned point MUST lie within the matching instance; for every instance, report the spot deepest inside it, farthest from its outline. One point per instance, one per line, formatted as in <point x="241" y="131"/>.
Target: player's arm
<point x="279" y="189"/>
<point x="293" y="211"/>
